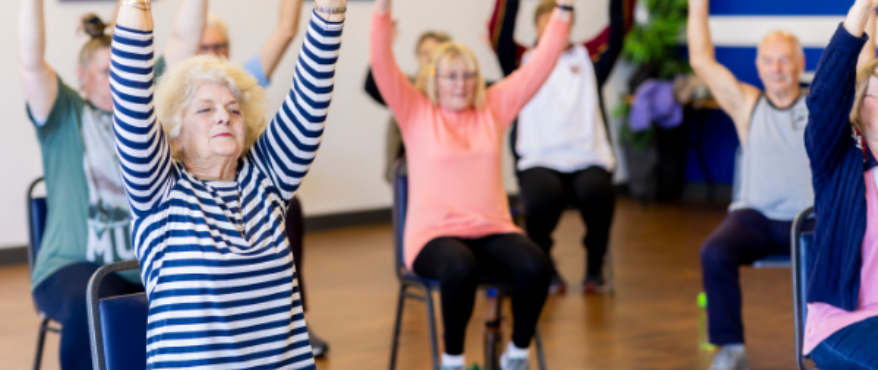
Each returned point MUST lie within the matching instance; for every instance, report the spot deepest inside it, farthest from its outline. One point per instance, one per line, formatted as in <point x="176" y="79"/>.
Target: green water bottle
<point x="703" y="340"/>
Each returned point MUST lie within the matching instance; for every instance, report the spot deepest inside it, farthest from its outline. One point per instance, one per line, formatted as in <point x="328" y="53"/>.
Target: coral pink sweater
<point x="824" y="320"/>
<point x="454" y="158"/>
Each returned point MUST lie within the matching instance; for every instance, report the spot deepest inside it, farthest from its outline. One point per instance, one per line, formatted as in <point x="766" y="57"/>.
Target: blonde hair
<point x="177" y="87"/>
<point x="440" y="37"/>
<point x="863" y="76"/>
<point x="446" y="51"/>
<point x="214" y="21"/>
<point x="547" y="6"/>
<point x="96" y="29"/>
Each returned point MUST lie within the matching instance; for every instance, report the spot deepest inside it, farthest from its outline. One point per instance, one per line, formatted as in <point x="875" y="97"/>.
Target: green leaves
<point x="656" y="42"/>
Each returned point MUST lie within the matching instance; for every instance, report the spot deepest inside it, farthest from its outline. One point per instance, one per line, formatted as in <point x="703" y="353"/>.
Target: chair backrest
<point x="37" y="209"/>
<point x="123" y="331"/>
<point x="400" y="180"/>
<point x="117" y="325"/>
<point x="802" y="240"/>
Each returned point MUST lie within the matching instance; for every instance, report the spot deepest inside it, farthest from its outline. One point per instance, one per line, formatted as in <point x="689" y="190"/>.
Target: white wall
<point x="347" y="174"/>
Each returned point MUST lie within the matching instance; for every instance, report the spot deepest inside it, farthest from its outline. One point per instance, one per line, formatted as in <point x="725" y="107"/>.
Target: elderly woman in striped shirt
<point x="208" y="190"/>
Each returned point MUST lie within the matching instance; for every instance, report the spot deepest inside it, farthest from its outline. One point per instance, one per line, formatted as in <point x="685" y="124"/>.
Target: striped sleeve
<point x="143" y="151"/>
<point x="288" y="146"/>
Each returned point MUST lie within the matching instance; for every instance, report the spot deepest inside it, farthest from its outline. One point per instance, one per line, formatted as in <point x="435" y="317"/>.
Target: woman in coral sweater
<point x="459" y="226"/>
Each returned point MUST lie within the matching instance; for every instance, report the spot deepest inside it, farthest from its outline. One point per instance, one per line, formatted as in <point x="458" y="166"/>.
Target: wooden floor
<point x="652" y="322"/>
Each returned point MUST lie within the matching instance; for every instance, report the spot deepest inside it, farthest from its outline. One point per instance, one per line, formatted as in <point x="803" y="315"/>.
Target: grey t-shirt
<point x="775" y="171"/>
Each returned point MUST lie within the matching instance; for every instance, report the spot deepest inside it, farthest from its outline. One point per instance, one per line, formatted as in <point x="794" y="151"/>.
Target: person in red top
<point x="458" y="226"/>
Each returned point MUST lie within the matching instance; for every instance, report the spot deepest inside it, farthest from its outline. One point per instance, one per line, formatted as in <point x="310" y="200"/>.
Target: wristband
<point x="330" y="9"/>
<point x="568" y="8"/>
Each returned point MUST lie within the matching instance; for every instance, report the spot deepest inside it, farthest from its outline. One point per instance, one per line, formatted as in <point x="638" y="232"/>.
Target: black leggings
<point x="546" y="193"/>
<point x="458" y="263"/>
<point x="62" y="298"/>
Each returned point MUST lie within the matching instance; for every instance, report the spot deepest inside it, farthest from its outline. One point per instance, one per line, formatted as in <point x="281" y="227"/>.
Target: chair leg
<point x="431" y="319"/>
<point x="400" y="305"/>
<point x="41" y="339"/>
<point x="611" y="272"/>
<point x="493" y="335"/>
<point x="541" y="355"/>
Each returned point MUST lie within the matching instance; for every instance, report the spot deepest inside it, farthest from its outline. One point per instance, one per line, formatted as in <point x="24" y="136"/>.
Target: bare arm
<point x="187" y="32"/>
<point x="737" y="99"/>
<point x="276" y="45"/>
<point x="37" y="77"/>
<point x="868" y="53"/>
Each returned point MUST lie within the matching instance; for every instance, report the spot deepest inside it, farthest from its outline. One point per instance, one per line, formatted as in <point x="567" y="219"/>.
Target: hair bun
<point x="93" y="26"/>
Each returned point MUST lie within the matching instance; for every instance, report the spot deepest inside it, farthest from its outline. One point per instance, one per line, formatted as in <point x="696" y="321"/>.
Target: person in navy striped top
<point x="208" y="189"/>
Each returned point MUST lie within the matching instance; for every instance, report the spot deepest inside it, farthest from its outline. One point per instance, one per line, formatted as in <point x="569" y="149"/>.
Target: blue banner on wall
<point x="780" y="7"/>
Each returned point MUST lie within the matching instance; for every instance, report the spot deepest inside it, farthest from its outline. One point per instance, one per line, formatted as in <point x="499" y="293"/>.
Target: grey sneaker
<point x="513" y="363"/>
<point x="732" y="357"/>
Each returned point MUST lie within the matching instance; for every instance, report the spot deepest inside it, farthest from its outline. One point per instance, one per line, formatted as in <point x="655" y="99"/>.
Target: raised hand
<point x="383" y="6"/>
<point x="858" y="16"/>
<point x="336" y="17"/>
<point x="871" y="4"/>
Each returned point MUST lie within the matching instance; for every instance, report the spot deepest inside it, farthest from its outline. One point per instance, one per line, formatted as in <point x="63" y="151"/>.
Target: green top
<point x="87" y="217"/>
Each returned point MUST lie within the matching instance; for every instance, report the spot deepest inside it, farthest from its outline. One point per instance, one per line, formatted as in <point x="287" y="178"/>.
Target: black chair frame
<point x="32" y="249"/>
<point x="800" y="279"/>
<point x="407" y="281"/>
<point x="94" y="312"/>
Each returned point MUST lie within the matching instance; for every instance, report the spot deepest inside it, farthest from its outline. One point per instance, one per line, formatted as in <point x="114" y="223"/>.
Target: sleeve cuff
<point x="254" y="68"/>
<point x="843" y="41"/>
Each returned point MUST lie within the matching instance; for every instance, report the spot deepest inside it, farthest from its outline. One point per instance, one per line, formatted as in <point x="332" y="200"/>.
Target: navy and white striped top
<point x="214" y="258"/>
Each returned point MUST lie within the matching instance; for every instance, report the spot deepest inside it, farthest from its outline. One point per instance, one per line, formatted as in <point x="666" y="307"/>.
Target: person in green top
<point x="88" y="222"/>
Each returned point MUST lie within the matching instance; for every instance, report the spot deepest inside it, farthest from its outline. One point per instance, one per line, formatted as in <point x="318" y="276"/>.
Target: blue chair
<point x="802" y="239"/>
<point x="427" y="286"/>
<point x="117" y="325"/>
<point x="777" y="261"/>
<point x="37" y="209"/>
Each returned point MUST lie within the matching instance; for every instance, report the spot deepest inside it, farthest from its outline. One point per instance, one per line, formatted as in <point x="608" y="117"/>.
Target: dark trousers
<point x="459" y="263"/>
<point x="853" y="348"/>
<point x="546" y="193"/>
<point x="62" y="297"/>
<point x="743" y="237"/>
<point x="295" y="225"/>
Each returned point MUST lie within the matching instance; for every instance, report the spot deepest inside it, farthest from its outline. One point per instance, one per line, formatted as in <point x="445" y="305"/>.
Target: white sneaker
<point x="507" y="363"/>
<point x="732" y="357"/>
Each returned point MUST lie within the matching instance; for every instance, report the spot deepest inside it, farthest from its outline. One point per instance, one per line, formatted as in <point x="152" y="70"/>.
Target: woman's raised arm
<point x="143" y="150"/>
<point x="289" y="144"/>
<point x="397" y="91"/>
<point x="37" y="78"/>
<point x="507" y="97"/>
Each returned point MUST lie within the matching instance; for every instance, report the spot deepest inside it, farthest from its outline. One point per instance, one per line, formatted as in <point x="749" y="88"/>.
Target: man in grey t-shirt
<point x="775" y="177"/>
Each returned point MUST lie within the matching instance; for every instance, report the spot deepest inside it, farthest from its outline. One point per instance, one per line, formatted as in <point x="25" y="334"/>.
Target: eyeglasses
<point x="214" y="48"/>
<point x="454" y="76"/>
